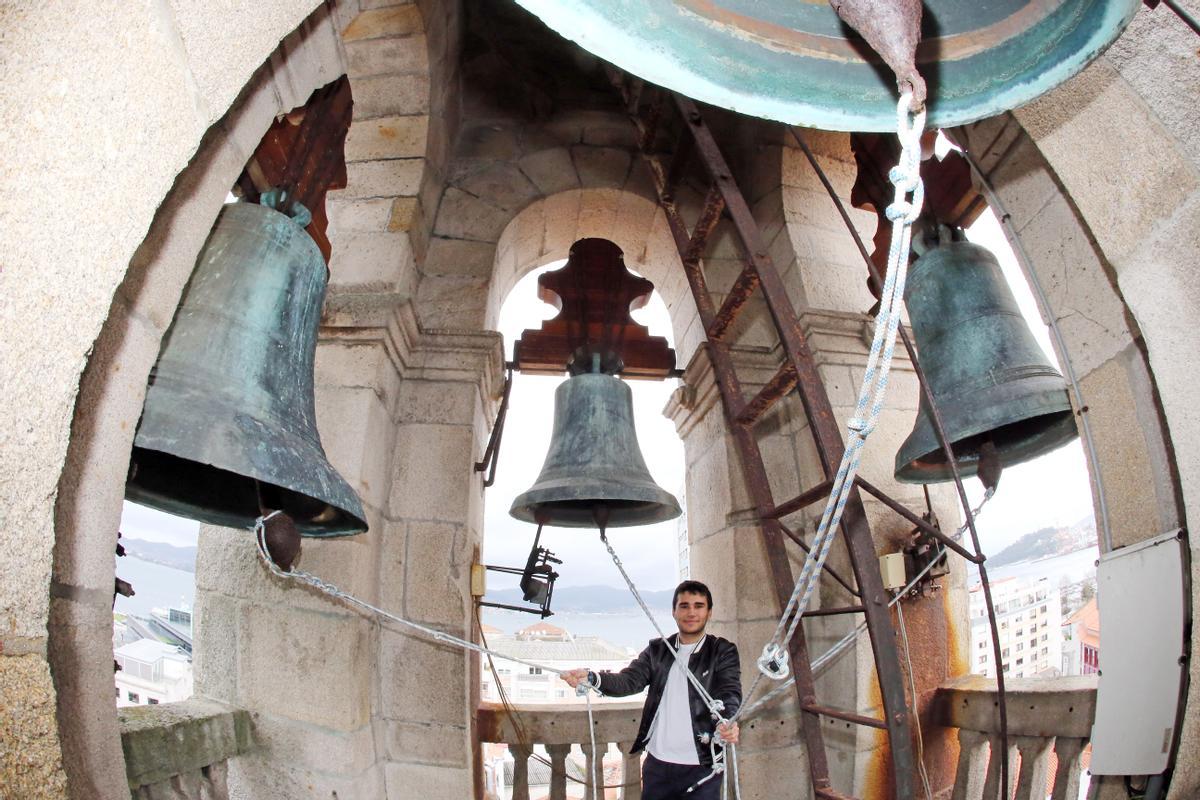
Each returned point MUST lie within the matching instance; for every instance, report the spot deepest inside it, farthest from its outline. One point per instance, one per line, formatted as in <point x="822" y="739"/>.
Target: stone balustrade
<point x="182" y="750"/>
<point x="557" y="728"/>
<point x="1049" y="723"/>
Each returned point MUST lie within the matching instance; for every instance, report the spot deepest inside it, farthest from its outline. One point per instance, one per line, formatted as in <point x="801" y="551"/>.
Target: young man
<point x="676" y="725"/>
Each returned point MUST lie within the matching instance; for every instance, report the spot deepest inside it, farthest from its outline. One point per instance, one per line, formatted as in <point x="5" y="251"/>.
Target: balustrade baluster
<point x="972" y="762"/>
<point x="1070" y="771"/>
<point x="594" y="769"/>
<point x="558" y="770"/>
<point x="521" y="755"/>
<point x="991" y="783"/>
<point x="631" y="773"/>
<point x="1035" y="766"/>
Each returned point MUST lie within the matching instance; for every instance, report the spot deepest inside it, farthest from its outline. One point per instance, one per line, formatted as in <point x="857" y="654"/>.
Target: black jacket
<point x="714" y="663"/>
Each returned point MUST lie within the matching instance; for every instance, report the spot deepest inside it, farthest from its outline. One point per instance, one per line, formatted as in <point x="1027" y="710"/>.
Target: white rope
<point x="333" y="591"/>
<point x="903" y="212"/>
<point x="842" y="645"/>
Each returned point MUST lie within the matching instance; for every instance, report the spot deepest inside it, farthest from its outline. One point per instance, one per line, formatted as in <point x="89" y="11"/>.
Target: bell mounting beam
<point x="648" y="106"/>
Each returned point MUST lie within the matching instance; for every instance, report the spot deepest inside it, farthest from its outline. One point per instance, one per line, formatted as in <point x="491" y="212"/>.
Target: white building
<point x="1029" y="620"/>
<point x="555" y="647"/>
<point x="152" y="672"/>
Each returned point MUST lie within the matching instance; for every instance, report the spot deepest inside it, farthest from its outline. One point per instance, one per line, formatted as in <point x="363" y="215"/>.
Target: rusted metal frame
<point x="678" y="163"/>
<point x="491" y="454"/>
<point x="829" y="612"/>
<point x="831" y="794"/>
<point x="782" y="579"/>
<point x="754" y="250"/>
<point x="920" y="523"/>
<point x="803" y="500"/>
<point x="828" y="572"/>
<point x="828" y="440"/>
<point x="710" y="215"/>
<point x="827" y="437"/>
<point x="845" y="716"/>
<point x="747" y="281"/>
<point x="781" y="384"/>
<point x="940" y="430"/>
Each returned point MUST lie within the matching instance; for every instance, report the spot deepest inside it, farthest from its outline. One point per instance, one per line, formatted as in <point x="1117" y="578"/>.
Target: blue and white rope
<point x="903" y="212"/>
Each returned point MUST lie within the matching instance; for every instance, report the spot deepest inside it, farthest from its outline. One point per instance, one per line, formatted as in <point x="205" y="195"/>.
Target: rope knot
<point x="862" y="428"/>
<point x="774" y="662"/>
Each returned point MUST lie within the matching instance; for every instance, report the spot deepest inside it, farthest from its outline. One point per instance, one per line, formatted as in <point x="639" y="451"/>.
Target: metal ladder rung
<point x="802" y="500"/>
<point x="747" y="281"/>
<point x="844" y="716"/>
<point x="829" y="612"/>
<point x="778" y="387"/>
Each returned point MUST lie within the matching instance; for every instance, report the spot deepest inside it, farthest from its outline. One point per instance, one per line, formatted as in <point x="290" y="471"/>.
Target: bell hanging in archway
<point x="594" y="469"/>
<point x="229" y="422"/>
<point x="990" y="380"/>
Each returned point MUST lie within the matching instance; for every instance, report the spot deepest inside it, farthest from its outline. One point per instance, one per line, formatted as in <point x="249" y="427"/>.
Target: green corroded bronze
<point x="795" y="61"/>
<point x="989" y="378"/>
<point x="594" y="462"/>
<point x="229" y="411"/>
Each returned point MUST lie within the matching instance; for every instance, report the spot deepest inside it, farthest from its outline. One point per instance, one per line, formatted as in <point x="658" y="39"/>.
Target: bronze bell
<point x="990" y="380"/>
<point x="594" y="471"/>
<point x="229" y="423"/>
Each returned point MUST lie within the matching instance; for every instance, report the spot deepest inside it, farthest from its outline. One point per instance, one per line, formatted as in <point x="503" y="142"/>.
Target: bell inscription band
<point x="229" y="423"/>
<point x="990" y="380"/>
<point x="594" y="467"/>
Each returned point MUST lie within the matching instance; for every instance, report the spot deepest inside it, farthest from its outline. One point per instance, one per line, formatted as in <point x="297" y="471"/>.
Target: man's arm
<point x="630" y="680"/>
<point x="727" y="687"/>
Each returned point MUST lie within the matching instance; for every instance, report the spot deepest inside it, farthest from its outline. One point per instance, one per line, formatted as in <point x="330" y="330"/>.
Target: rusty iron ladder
<point x="647" y="105"/>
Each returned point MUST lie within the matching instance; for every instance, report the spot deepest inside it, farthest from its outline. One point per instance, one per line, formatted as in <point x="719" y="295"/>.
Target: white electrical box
<point x="891" y="567"/>
<point x="1140" y="590"/>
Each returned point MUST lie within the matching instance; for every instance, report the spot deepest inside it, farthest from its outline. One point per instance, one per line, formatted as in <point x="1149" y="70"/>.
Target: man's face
<point x="691" y="613"/>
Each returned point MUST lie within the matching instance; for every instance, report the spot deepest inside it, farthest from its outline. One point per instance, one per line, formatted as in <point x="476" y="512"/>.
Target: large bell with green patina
<point x="594" y="470"/>
<point x="229" y="420"/>
<point x="990" y="379"/>
<point x="795" y="61"/>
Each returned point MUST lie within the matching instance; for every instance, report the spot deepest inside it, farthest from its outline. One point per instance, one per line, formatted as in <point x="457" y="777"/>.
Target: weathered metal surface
<point x="230" y="409"/>
<point x="892" y="28"/>
<point x="796" y="62"/>
<point x="594" y="293"/>
<point x="990" y="380"/>
<point x="594" y="462"/>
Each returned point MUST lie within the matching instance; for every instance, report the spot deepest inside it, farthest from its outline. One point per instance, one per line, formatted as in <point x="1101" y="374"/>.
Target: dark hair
<point x="691" y="587"/>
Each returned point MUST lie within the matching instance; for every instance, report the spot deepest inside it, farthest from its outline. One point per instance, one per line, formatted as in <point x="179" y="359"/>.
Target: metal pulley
<point x="229" y="424"/>
<point x="594" y="471"/>
<point x="797" y="61"/>
<point x="993" y="385"/>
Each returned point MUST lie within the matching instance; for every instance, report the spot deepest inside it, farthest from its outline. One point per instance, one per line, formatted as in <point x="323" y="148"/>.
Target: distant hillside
<point x="183" y="558"/>
<point x="589" y="599"/>
<point x="1046" y="542"/>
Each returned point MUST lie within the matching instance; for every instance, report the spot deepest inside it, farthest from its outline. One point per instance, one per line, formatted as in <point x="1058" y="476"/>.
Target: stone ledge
<point x="163" y="741"/>
<point x="1036" y="707"/>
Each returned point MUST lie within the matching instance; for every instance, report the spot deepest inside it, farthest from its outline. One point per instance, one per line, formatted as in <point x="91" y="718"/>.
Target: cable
<point x="912" y="682"/>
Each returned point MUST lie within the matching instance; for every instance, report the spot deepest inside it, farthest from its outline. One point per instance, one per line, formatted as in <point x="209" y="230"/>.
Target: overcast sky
<point x="1051" y="490"/>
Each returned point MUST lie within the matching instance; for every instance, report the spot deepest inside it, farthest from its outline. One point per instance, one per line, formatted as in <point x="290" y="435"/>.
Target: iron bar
<point x="1183" y="14"/>
<point x="783" y="382"/>
<point x="680" y="158"/>
<point x="845" y="716"/>
<point x="803" y="500"/>
<point x="491" y="454"/>
<point x="939" y="429"/>
<point x="714" y="204"/>
<point x="747" y="281"/>
<point x="799" y="540"/>
<point x="829" y="612"/>
<point x="903" y="511"/>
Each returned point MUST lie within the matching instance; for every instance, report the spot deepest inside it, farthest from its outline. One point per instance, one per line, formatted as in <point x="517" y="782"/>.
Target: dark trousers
<point x="662" y="780"/>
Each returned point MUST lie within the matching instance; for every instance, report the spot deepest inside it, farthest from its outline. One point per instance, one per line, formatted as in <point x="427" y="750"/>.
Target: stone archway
<point x="130" y="298"/>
